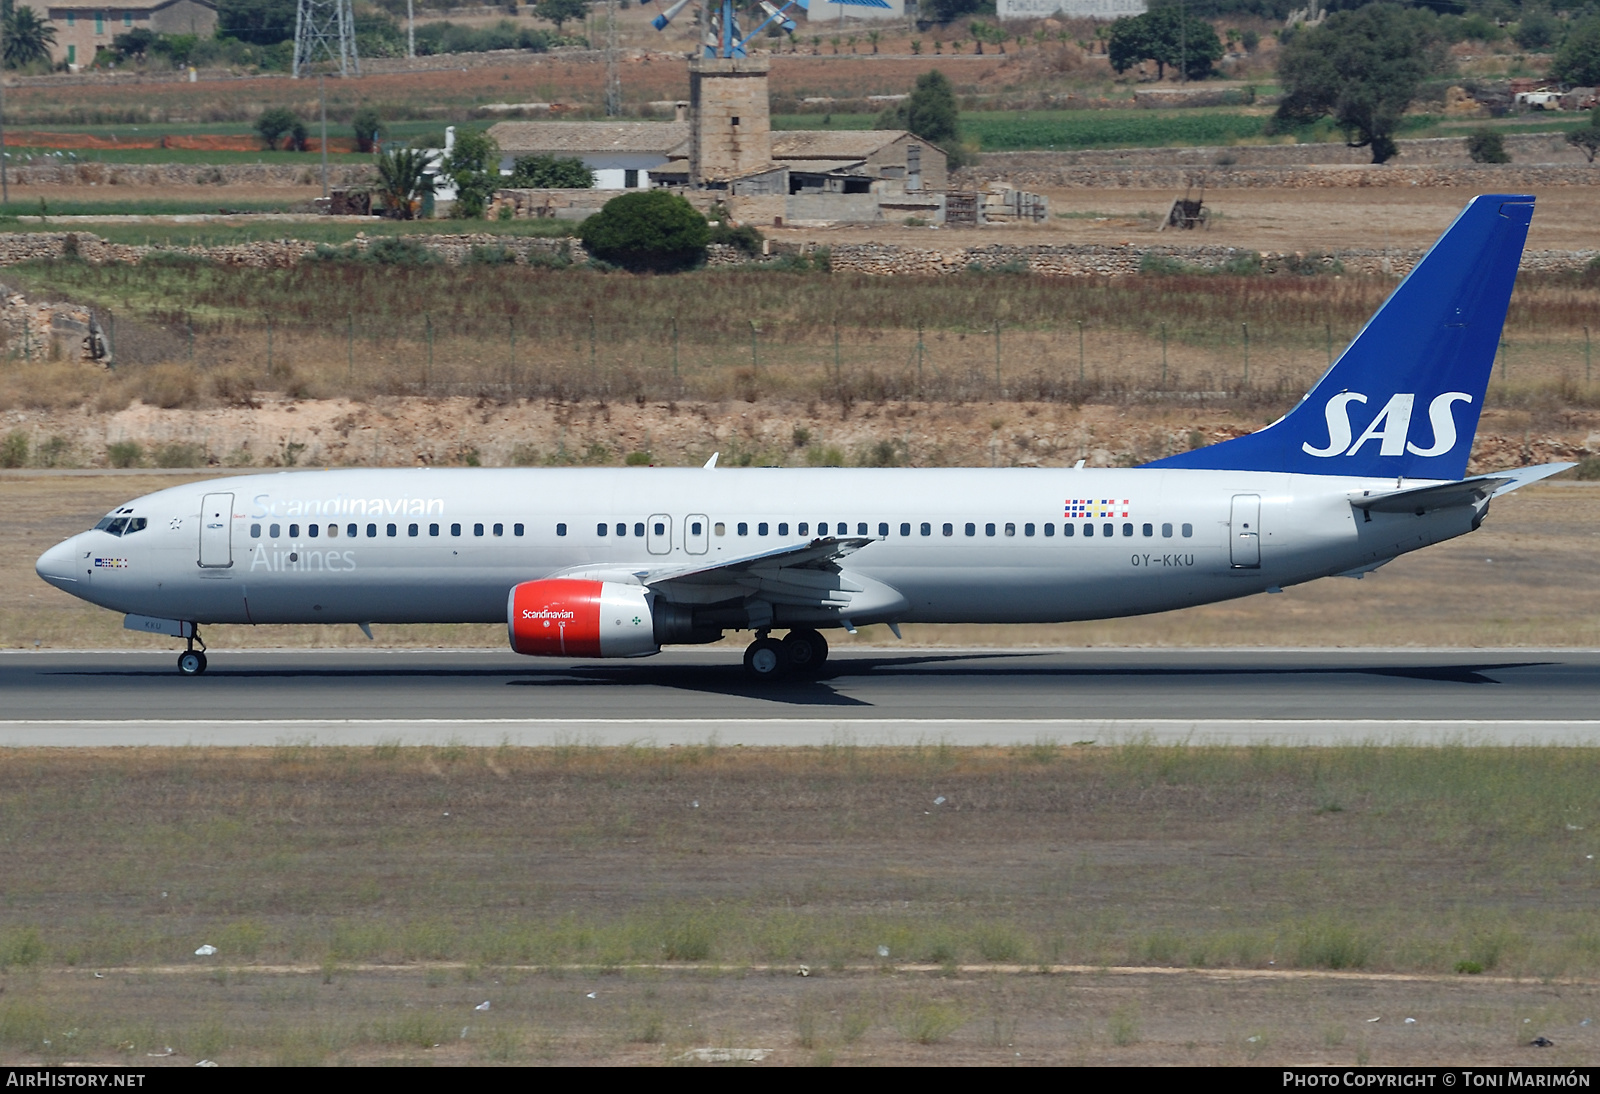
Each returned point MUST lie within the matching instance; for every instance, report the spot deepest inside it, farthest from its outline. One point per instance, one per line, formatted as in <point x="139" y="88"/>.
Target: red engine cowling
<point x="569" y="617"/>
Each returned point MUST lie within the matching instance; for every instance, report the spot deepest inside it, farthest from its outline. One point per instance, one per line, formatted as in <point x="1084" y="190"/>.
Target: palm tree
<point x="27" y="37"/>
<point x="403" y="181"/>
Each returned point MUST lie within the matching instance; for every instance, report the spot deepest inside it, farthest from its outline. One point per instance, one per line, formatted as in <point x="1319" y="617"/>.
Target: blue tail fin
<point x="1404" y="398"/>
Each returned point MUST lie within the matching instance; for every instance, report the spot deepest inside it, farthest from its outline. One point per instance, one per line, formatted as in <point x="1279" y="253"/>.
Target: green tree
<point x="946" y="11"/>
<point x="560" y="12"/>
<point x="647" y="230"/>
<point x="1361" y="67"/>
<point x="368" y="127"/>
<point x="931" y="113"/>
<point x="27" y="37"/>
<point x="550" y="173"/>
<point x="1577" y="61"/>
<point x="403" y="181"/>
<point x="1485" y="145"/>
<point x="1537" y="29"/>
<point x="474" y="166"/>
<point x="1168" y="37"/>
<point x="259" y="22"/>
<point x="1587" y="139"/>
<point x="277" y="122"/>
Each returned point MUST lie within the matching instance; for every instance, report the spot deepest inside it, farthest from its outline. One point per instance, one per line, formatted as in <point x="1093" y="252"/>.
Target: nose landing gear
<point x="801" y="653"/>
<point x="192" y="662"/>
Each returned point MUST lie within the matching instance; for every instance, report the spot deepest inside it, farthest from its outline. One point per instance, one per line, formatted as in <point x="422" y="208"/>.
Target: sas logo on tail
<point x="1391" y="427"/>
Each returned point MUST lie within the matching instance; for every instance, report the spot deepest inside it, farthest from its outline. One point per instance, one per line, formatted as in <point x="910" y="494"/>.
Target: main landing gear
<point x="192" y="662"/>
<point x="801" y="653"/>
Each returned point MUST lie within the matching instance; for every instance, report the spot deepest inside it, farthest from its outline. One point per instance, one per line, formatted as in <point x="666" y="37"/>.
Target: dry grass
<point x="478" y="868"/>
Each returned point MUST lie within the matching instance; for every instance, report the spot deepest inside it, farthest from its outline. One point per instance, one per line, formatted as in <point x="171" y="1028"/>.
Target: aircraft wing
<point x="802" y="575"/>
<point x="1428" y="499"/>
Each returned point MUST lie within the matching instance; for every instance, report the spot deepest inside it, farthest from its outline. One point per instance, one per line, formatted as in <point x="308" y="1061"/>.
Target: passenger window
<point x="1127" y="529"/>
<point x="742" y="528"/>
<point x="1188" y="530"/>
<point x="517" y="529"/>
<point x="694" y="529"/>
<point x="372" y="531"/>
<point x="1011" y="530"/>
<point x="883" y="529"/>
<point x="561" y="529"/>
<point x="927" y="529"/>
<point x="949" y="529"/>
<point x="412" y="529"/>
<point x="638" y="529"/>
<point x="477" y="529"/>
<point x="273" y="530"/>
<point x="783" y="529"/>
<point x="988" y="529"/>
<point x="661" y="528"/>
<point x="861" y="529"/>
<point x="333" y="531"/>
<point x="622" y="529"/>
<point x="433" y="529"/>
<point x="905" y="529"/>
<point x="761" y="529"/>
<point x="312" y="530"/>
<point x="1148" y="530"/>
<point x="1088" y="529"/>
<point x="499" y="529"/>
<point x="1166" y="531"/>
<point x="294" y="531"/>
<point x="1027" y="529"/>
<point x="801" y="528"/>
<point x="719" y="529"/>
<point x="972" y="529"/>
<point x="351" y="530"/>
<point x="455" y="529"/>
<point x="393" y="531"/>
<point x="1066" y="530"/>
<point x="1108" y="529"/>
<point x="255" y="531"/>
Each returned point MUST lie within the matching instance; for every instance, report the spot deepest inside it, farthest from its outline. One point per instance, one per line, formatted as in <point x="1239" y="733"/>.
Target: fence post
<point x="1246" y="328"/>
<point x="999" y="387"/>
<point x="269" y="344"/>
<point x="350" y="346"/>
<point x="511" y="353"/>
<point x="1080" y="351"/>
<point x="427" y="377"/>
<point x="755" y="363"/>
<point x="1587" y="375"/>
<point x="919" y="360"/>
<point x="1163" y="355"/>
<point x="674" y="349"/>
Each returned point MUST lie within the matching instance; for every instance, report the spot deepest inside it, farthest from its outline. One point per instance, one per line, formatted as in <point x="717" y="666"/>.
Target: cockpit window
<point x="136" y="524"/>
<point x="116" y="526"/>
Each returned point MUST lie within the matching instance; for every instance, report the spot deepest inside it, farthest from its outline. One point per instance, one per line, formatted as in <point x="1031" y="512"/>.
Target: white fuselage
<point x="965" y="545"/>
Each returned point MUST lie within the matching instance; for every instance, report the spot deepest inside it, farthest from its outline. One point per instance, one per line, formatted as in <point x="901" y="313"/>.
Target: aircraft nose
<point x="59" y="565"/>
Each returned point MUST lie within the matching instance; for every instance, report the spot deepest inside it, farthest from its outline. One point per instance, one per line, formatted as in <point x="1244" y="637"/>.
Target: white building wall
<point x="1077" y="9"/>
<point x="824" y="14"/>
<point x="615" y="178"/>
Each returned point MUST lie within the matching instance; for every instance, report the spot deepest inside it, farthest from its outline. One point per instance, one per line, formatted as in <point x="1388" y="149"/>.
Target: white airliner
<point x="617" y="563"/>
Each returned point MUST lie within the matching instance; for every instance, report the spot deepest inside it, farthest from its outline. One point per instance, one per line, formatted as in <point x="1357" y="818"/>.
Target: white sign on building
<point x="1075" y="9"/>
<point x="824" y="12"/>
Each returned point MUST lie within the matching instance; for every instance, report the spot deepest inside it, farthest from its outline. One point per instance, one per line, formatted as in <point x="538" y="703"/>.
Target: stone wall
<point x="1039" y="172"/>
<point x="1525" y="149"/>
<point x="266" y="254"/>
<point x="43" y="331"/>
<point x="188" y="174"/>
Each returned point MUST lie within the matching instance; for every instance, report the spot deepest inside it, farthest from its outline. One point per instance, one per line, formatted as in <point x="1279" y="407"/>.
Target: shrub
<point x="495" y="254"/>
<point x="400" y="251"/>
<point x="1484" y="145"/>
<point x="648" y="230"/>
<point x="180" y="455"/>
<point x="275" y="123"/>
<point x="14" y="449"/>
<point x="124" y="454"/>
<point x="368" y="127"/>
<point x="744" y="237"/>
<point x="550" y="173"/>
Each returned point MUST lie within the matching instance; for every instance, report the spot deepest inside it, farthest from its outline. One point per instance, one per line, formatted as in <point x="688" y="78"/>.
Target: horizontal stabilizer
<point x="1428" y="499"/>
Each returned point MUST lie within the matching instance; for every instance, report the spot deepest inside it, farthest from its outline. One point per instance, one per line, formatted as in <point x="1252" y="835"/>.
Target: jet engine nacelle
<point x="572" y="617"/>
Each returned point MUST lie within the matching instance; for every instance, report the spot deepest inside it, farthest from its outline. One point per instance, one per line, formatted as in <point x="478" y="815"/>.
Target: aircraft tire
<point x="191" y="663"/>
<point x="806" y="650"/>
<point x="764" y="659"/>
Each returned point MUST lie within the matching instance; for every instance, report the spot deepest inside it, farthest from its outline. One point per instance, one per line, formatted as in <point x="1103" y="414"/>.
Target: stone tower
<point x="730" y="125"/>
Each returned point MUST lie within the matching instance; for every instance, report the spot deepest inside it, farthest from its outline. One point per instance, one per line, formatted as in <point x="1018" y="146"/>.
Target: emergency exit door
<point x="216" y="531"/>
<point x="1246" y="531"/>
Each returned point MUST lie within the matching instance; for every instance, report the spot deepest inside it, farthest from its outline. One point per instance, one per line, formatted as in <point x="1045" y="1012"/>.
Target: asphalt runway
<point x="884" y="696"/>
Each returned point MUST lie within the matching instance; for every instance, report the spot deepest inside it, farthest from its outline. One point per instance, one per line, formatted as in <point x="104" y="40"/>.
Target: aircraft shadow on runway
<point x="730" y="681"/>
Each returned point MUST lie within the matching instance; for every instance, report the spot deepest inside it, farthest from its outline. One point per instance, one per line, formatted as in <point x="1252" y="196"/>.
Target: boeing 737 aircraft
<point x="616" y="563"/>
